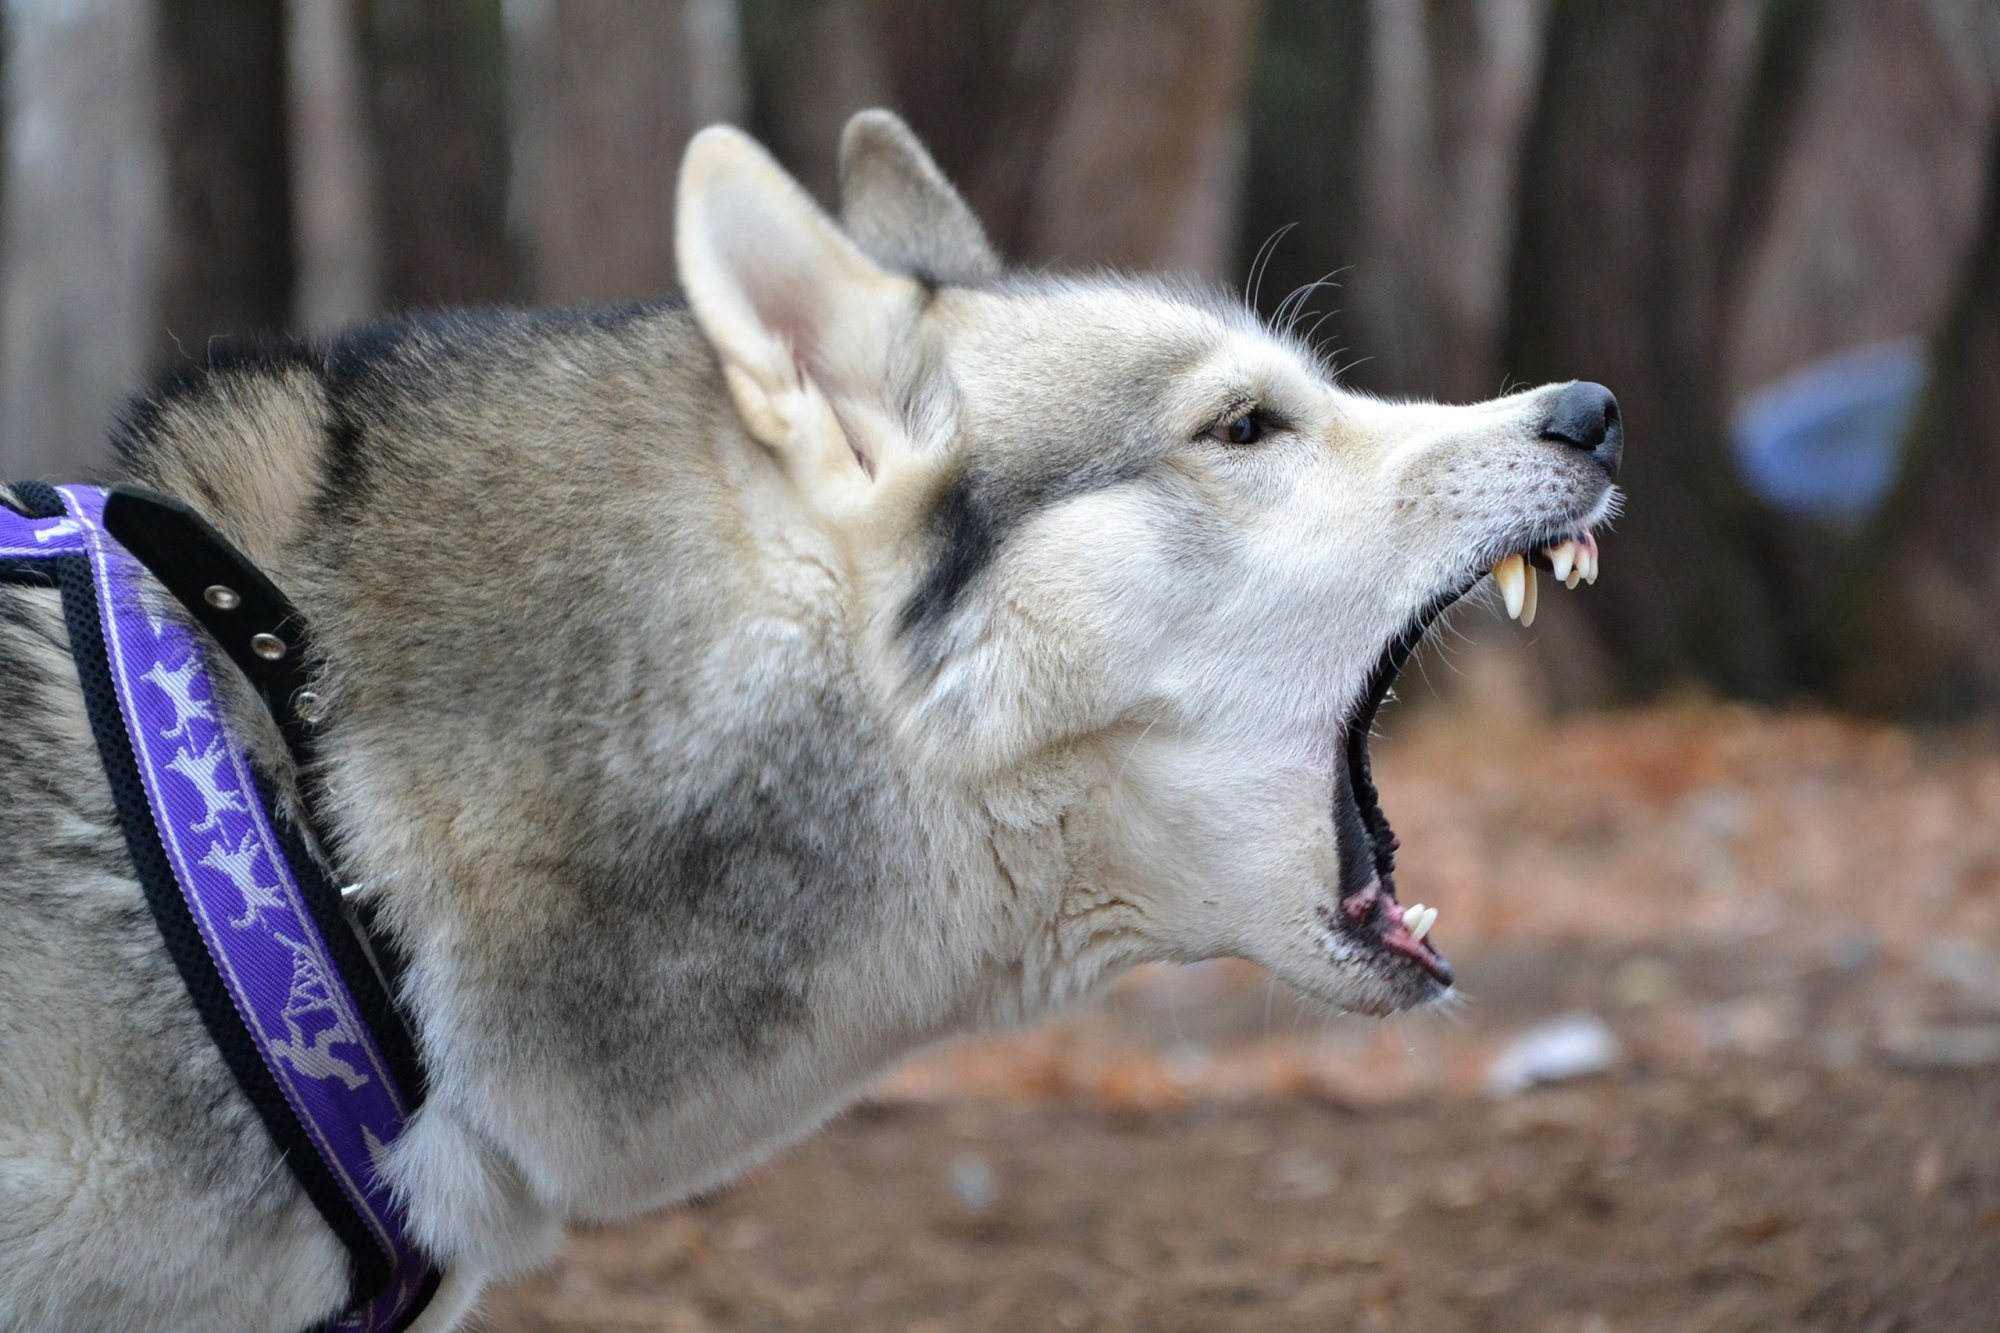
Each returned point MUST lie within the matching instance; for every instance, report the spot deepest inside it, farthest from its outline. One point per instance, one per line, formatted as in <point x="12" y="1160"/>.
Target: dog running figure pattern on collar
<point x="270" y="987"/>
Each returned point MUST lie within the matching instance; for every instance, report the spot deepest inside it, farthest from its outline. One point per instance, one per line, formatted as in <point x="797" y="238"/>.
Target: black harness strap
<point x="227" y="595"/>
<point x="268" y="640"/>
<point x="264" y="634"/>
<point x="226" y="1028"/>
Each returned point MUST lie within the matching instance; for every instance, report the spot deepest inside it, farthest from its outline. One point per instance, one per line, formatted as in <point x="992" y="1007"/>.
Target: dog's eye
<point x="1245" y="428"/>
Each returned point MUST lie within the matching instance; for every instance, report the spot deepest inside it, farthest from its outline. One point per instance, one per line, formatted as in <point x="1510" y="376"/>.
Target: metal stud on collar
<point x="267" y="646"/>
<point x="221" y="597"/>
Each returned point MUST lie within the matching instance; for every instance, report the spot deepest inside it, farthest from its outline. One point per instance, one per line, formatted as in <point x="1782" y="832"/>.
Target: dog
<point x="724" y="699"/>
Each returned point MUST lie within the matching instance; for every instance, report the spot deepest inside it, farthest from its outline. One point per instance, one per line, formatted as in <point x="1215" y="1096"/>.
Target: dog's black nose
<point x="1586" y="415"/>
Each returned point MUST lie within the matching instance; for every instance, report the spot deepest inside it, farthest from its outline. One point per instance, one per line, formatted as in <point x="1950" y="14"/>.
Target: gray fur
<point x="694" y="801"/>
<point x="899" y="207"/>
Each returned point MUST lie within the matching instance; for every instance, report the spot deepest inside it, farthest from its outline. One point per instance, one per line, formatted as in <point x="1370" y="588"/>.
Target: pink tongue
<point x="1395" y="935"/>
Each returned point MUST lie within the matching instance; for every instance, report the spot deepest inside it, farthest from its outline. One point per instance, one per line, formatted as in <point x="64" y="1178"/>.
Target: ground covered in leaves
<point x="1760" y="955"/>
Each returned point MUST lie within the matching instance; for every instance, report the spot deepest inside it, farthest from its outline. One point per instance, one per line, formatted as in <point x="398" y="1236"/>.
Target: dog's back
<point x="131" y="1168"/>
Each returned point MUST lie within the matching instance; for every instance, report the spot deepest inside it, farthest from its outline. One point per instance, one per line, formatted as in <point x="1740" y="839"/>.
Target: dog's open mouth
<point x="1367" y="908"/>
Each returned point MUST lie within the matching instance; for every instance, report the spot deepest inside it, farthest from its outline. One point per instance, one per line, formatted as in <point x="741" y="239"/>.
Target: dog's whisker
<point x="1254" y="284"/>
<point x="1283" y="316"/>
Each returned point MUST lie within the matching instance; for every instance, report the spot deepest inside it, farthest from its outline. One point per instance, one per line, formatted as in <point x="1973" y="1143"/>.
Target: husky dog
<point x="722" y="700"/>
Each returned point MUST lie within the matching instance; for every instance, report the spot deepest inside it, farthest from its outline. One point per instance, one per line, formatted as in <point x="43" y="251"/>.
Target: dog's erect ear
<point x="803" y="322"/>
<point x="898" y="206"/>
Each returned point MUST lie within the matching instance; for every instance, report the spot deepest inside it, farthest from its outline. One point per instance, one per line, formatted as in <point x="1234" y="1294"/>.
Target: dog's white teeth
<point x="1418" y="920"/>
<point x="1516" y="578"/>
<point x="1511" y="574"/>
<point x="1572" y="560"/>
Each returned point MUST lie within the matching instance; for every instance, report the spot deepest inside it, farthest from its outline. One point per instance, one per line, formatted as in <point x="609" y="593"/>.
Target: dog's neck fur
<point x="720" y="706"/>
<point x="578" y="823"/>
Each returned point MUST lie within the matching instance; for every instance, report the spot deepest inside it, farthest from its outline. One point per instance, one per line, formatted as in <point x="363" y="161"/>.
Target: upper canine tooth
<point x="1528" y="599"/>
<point x="1562" y="559"/>
<point x="1512" y="576"/>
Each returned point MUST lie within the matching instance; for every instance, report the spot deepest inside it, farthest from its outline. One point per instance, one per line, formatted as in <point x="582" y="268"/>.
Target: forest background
<point x="1771" y="226"/>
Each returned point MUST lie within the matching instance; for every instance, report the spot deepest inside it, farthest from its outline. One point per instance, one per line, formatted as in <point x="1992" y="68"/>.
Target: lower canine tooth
<point x="1425" y="921"/>
<point x="1512" y="576"/>
<point x="1528" y="600"/>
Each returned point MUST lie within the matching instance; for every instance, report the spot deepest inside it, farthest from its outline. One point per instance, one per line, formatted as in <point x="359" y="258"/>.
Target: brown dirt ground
<point x="1791" y="924"/>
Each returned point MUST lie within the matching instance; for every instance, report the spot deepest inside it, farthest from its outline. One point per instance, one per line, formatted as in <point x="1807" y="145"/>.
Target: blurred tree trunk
<point x="82" y="204"/>
<point x="1308" y="124"/>
<point x="1142" y="164"/>
<point x="1109" y="133"/>
<point x="226" y="231"/>
<point x="333" y="195"/>
<point x="1622" y="199"/>
<point x="436" y="104"/>
<point x="1776" y="98"/>
<point x="1454" y="82"/>
<point x="1920" y="631"/>
<point x="812" y="63"/>
<point x="1852" y="234"/>
<point x="1849" y="218"/>
<point x="606" y="97"/>
<point x="816" y="63"/>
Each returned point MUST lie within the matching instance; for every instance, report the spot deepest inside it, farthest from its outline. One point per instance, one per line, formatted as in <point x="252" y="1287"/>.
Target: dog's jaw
<point x="1366" y="912"/>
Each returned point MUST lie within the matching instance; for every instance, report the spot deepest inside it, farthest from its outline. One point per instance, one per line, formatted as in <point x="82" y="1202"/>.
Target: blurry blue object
<point x="1825" y="442"/>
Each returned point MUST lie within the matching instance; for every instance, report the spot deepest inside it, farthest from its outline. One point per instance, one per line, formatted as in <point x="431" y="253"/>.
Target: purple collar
<point x="272" y="962"/>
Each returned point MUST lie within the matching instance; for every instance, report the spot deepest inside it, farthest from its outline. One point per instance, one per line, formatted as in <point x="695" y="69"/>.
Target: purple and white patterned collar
<point x="271" y="989"/>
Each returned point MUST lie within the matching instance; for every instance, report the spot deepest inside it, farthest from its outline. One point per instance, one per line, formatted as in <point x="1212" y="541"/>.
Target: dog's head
<point x="1123" y="514"/>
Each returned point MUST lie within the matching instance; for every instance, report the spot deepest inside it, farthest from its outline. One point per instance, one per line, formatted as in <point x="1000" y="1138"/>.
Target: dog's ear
<point x="898" y="206"/>
<point x="803" y="322"/>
